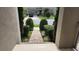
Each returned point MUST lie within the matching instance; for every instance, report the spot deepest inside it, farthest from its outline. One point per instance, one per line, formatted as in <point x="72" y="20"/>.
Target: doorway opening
<point x="38" y="24"/>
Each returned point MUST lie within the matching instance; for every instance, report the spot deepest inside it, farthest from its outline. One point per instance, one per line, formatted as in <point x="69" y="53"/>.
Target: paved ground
<point x="35" y="47"/>
<point x="36" y="36"/>
<point x="47" y="46"/>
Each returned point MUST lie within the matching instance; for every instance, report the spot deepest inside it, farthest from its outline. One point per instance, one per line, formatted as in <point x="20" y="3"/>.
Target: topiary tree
<point x="26" y="31"/>
<point x="30" y="24"/>
<point x="42" y="23"/>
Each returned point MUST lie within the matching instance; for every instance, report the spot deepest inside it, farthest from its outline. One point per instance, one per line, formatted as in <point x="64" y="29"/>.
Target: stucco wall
<point x="69" y="20"/>
<point x="59" y="26"/>
<point x="9" y="28"/>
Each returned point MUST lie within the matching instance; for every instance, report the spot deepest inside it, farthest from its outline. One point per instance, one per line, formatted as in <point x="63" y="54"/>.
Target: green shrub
<point x="42" y="23"/>
<point x="30" y="24"/>
<point x="50" y="35"/>
<point x="47" y="14"/>
<point x="26" y="31"/>
<point x="48" y="28"/>
<point x="49" y="31"/>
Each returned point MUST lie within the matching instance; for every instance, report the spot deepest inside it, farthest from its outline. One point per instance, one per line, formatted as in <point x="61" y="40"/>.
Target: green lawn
<point x="36" y="25"/>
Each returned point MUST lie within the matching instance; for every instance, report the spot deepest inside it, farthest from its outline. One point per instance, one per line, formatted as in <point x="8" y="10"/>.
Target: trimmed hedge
<point x="49" y="31"/>
<point x="30" y="24"/>
<point x="42" y="23"/>
<point x="26" y="31"/>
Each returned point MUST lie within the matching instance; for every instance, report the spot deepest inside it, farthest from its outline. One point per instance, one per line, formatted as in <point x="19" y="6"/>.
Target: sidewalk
<point x="36" y="36"/>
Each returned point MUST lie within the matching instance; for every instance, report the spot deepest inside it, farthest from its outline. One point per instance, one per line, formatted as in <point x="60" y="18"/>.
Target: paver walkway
<point x="36" y="36"/>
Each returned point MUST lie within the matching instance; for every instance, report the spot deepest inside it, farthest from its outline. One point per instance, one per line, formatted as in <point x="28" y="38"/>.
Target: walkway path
<point x="36" y="36"/>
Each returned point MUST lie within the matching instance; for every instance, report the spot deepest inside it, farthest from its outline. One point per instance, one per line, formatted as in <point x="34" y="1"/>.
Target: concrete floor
<point x="35" y="47"/>
<point x="47" y="46"/>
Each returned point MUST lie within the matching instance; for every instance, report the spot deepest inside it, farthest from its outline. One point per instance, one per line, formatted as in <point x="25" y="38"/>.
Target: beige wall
<point x="66" y="28"/>
<point x="59" y="26"/>
<point x="9" y="28"/>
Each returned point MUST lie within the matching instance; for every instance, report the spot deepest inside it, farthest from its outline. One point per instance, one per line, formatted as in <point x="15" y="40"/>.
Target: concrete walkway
<point x="46" y="46"/>
<point x="35" y="47"/>
<point x="36" y="36"/>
